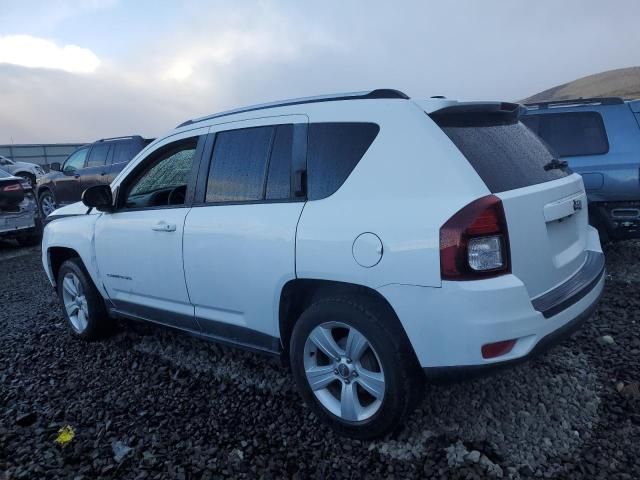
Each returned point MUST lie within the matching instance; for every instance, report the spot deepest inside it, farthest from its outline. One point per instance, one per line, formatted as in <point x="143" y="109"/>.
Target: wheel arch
<point x="56" y="256"/>
<point x="298" y="294"/>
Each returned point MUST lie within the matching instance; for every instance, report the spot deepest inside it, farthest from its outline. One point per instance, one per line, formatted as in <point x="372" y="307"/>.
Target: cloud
<point x="165" y="63"/>
<point x="33" y="52"/>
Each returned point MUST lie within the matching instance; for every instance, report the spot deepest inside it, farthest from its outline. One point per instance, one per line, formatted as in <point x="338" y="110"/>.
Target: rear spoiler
<point x="477" y="113"/>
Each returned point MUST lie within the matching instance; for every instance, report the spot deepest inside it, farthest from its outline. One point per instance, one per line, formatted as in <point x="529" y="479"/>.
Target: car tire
<point x="29" y="177"/>
<point x="366" y="396"/>
<point x="82" y="304"/>
<point x="46" y="201"/>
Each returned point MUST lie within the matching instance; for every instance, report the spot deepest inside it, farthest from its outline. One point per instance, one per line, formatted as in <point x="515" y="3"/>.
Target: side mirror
<point x="98" y="197"/>
<point x="55" y="166"/>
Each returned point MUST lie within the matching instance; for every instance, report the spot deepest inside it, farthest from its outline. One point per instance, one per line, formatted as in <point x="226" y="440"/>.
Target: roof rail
<point x="118" y="138"/>
<point x="577" y="102"/>
<point x="379" y="93"/>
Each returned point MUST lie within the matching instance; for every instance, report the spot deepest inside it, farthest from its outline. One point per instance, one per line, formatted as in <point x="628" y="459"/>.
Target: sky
<point x="79" y="70"/>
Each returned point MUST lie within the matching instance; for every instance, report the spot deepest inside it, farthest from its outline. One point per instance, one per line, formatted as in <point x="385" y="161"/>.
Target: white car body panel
<point x="237" y="258"/>
<point x="448" y="326"/>
<point x="17" y="168"/>
<point x="410" y="237"/>
<point x="227" y="264"/>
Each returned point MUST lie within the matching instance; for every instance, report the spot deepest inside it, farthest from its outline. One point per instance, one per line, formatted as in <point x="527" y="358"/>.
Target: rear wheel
<point x="29" y="177"/>
<point x="82" y="304"/>
<point x="47" y="203"/>
<point x="352" y="369"/>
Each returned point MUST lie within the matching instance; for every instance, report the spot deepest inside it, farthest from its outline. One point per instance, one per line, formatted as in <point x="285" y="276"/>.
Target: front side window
<point x="572" y="133"/>
<point x="75" y="161"/>
<point x="165" y="177"/>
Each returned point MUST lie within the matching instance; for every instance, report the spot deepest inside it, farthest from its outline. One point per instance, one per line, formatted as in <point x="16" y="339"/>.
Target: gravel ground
<point x="149" y="403"/>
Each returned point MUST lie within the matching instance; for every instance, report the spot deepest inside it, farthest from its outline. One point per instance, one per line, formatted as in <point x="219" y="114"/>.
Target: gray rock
<point x="120" y="450"/>
<point x="473" y="456"/>
<point x="606" y="340"/>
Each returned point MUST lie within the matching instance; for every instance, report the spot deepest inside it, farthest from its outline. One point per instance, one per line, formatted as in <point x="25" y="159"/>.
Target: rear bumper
<point x="16" y="224"/>
<point x="550" y="340"/>
<point x="448" y="326"/>
<point x="620" y="220"/>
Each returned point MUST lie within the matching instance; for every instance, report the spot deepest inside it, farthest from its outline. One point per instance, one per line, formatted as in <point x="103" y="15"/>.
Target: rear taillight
<point x="474" y="243"/>
<point x="12" y="188"/>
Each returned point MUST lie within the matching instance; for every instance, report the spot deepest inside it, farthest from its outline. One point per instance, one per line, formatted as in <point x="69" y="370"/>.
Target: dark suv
<point x="93" y="164"/>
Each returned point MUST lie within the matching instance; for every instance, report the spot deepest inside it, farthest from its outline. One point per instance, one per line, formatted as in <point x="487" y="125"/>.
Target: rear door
<point x="122" y="153"/>
<point x="239" y="238"/>
<point x="546" y="208"/>
<point x="96" y="167"/>
<point x="67" y="186"/>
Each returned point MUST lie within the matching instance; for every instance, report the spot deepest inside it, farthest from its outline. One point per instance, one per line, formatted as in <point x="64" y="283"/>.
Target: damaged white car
<point x="18" y="211"/>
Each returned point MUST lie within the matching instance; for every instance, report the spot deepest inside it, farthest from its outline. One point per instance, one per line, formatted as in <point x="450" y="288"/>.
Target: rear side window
<point x="98" y="155"/>
<point x="279" y="176"/>
<point x="572" y="133"/>
<point x="505" y="154"/>
<point x="239" y="165"/>
<point x="334" y="150"/>
<point x="123" y="152"/>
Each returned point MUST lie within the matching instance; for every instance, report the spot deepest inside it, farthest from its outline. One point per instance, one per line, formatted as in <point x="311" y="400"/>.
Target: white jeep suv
<point x="368" y="238"/>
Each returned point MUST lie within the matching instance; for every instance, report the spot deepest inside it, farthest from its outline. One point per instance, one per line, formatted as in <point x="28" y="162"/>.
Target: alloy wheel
<point x="75" y="302"/>
<point x="344" y="371"/>
<point x="46" y="204"/>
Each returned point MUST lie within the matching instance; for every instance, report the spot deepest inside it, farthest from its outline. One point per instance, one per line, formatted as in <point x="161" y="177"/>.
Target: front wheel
<point x="47" y="203"/>
<point x="355" y="371"/>
<point x="82" y="304"/>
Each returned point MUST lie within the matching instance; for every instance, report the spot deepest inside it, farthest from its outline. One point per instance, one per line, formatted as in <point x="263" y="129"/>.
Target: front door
<point x="139" y="246"/>
<point x="67" y="186"/>
<point x="239" y="239"/>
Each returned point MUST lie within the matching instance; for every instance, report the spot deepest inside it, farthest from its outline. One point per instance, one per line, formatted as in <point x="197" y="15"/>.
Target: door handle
<point x="164" y="227"/>
<point x="76" y="175"/>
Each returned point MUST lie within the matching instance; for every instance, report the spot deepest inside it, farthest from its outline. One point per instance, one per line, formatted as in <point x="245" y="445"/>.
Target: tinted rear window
<point x="334" y="151"/>
<point x="98" y="155"/>
<point x="572" y="133"/>
<point x="506" y="155"/>
<point x="123" y="152"/>
<point x="279" y="177"/>
<point x="238" y="166"/>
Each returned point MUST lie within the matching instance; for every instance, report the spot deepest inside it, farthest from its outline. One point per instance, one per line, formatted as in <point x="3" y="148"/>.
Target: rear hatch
<point x="545" y="204"/>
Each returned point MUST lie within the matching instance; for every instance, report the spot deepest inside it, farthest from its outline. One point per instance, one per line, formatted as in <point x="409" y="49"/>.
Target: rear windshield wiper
<point x="555" y="163"/>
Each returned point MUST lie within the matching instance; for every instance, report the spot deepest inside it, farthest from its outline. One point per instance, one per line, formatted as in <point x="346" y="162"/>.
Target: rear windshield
<point x="505" y="153"/>
<point x="571" y="134"/>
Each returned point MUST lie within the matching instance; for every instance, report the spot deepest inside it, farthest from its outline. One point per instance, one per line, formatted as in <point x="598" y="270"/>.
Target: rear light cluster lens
<point x="12" y="188"/>
<point x="474" y="243"/>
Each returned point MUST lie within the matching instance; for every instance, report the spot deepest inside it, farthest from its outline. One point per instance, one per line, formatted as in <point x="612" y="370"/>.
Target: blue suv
<point x="600" y="139"/>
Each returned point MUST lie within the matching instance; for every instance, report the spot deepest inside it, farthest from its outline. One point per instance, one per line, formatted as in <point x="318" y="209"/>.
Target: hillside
<point x="623" y="82"/>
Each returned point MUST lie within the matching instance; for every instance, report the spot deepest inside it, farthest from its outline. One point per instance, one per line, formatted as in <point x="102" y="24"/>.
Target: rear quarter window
<point x="334" y="150"/>
<point x="571" y="134"/>
<point x="506" y="155"/>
